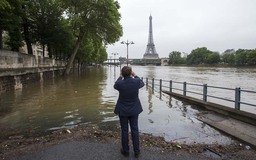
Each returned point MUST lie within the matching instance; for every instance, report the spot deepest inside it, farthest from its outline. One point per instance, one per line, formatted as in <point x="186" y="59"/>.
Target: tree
<point x="91" y="51"/>
<point x="175" y="58"/>
<point x="228" y="51"/>
<point x="11" y="23"/>
<point x="14" y="40"/>
<point x="198" y="56"/>
<point x="213" y="58"/>
<point x="240" y="58"/>
<point x="61" y="43"/>
<point x="5" y="9"/>
<point x="251" y="57"/>
<point x="4" y="4"/>
<point x="47" y="16"/>
<point x="28" y="24"/>
<point x="99" y="18"/>
<point x="228" y="58"/>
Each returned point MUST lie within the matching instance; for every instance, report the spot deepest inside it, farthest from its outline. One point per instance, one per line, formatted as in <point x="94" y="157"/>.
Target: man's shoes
<point x="136" y="155"/>
<point x="126" y="154"/>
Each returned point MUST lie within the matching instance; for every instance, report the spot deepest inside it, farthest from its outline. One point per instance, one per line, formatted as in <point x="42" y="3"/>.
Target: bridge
<point x="144" y="62"/>
<point x="141" y="62"/>
<point x="115" y="62"/>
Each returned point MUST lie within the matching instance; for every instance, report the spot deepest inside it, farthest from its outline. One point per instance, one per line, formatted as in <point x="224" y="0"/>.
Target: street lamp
<point x="115" y="57"/>
<point x="127" y="44"/>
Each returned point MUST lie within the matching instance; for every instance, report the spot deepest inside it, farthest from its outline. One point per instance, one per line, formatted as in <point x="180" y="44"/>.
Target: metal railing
<point x="204" y="91"/>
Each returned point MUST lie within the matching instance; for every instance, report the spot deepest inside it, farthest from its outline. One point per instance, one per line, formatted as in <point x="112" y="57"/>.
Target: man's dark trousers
<point x="124" y="121"/>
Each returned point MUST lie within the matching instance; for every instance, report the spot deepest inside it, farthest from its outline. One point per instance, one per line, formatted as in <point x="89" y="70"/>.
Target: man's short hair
<point x="126" y="71"/>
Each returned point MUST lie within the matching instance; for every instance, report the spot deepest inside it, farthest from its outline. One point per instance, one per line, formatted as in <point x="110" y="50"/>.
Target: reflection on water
<point x="222" y="77"/>
<point x="89" y="98"/>
<point x="150" y="104"/>
<point x="62" y="103"/>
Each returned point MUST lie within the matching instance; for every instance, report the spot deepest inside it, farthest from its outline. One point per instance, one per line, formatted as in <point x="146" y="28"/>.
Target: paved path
<point x="97" y="151"/>
<point x="240" y="130"/>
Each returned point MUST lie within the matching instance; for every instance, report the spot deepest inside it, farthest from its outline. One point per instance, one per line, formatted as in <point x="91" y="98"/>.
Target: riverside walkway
<point x="232" y="121"/>
<point x="243" y="134"/>
<point x="97" y="151"/>
<point x="87" y="150"/>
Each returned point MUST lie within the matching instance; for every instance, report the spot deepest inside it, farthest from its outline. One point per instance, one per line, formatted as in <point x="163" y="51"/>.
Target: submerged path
<point x="88" y="144"/>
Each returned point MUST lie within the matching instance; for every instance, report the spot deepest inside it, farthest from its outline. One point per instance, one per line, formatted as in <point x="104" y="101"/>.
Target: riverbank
<point x="214" y="65"/>
<point x="19" y="145"/>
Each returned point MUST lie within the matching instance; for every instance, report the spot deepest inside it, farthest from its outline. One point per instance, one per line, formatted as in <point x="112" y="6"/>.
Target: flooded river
<point x="89" y="98"/>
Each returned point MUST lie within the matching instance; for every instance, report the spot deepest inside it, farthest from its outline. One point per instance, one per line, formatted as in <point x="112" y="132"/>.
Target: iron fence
<point x="205" y="92"/>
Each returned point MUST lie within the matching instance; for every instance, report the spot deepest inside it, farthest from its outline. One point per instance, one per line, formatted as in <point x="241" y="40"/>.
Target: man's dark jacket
<point x="128" y="103"/>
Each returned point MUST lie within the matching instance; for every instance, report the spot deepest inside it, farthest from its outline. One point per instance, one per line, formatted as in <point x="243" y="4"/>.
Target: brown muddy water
<point x="89" y="98"/>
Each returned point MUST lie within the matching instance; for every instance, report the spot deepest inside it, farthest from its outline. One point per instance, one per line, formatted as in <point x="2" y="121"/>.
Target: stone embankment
<point x="18" y="69"/>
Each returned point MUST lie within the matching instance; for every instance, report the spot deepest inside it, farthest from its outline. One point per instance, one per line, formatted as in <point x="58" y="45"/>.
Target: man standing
<point x="128" y="107"/>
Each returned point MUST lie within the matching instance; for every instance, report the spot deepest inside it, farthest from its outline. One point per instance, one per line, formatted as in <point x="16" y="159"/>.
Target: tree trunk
<point x="26" y="35"/>
<point x="26" y="32"/>
<point x="71" y="60"/>
<point x="1" y="38"/>
<point x="43" y="50"/>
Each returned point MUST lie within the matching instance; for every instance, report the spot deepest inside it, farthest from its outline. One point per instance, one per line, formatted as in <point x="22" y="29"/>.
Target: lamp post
<point x="127" y="44"/>
<point x="115" y="57"/>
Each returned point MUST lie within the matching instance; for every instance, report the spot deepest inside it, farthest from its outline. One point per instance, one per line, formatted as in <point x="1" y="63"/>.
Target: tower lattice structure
<point x="150" y="50"/>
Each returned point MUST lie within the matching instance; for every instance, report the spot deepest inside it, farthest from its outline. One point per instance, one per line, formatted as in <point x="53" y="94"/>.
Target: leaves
<point x="96" y="20"/>
<point x="175" y="58"/>
<point x="64" y="26"/>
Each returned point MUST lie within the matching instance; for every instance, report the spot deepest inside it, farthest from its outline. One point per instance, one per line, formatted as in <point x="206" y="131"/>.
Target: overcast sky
<point x="184" y="25"/>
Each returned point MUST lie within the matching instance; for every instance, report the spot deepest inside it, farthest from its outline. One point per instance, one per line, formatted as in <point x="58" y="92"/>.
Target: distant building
<point x="150" y="50"/>
<point x="229" y="51"/>
<point x="184" y="54"/>
<point x="165" y="61"/>
<point x="37" y="50"/>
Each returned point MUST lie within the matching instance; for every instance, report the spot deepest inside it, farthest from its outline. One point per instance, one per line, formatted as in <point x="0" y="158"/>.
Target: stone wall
<point x="18" y="70"/>
<point x="7" y="83"/>
<point x="9" y="59"/>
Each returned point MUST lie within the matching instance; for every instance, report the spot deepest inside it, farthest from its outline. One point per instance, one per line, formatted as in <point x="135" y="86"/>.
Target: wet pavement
<point x="88" y="149"/>
<point x="89" y="98"/>
<point x="163" y="116"/>
<point x="240" y="130"/>
<point x="96" y="151"/>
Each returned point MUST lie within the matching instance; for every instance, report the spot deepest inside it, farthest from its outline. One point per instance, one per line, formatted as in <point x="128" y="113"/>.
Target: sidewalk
<point x="97" y="151"/>
<point x="242" y="131"/>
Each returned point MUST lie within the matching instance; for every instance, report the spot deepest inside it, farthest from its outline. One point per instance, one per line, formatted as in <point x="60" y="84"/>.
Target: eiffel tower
<point x="151" y="50"/>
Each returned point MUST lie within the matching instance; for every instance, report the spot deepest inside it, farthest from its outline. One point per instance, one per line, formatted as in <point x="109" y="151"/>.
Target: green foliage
<point x="251" y="57"/>
<point x="62" y="25"/>
<point x="98" y="20"/>
<point x="14" y="40"/>
<point x="175" y="58"/>
<point x="228" y="58"/>
<point x="213" y="58"/>
<point x="46" y="16"/>
<point x="50" y="28"/>
<point x="61" y="43"/>
<point x="240" y="58"/>
<point x="4" y="5"/>
<point x="91" y="51"/>
<point x="11" y="23"/>
<point x="245" y="57"/>
<point x="198" y="56"/>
